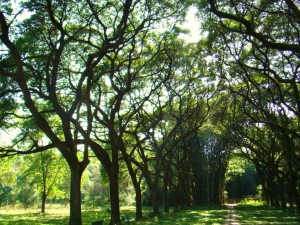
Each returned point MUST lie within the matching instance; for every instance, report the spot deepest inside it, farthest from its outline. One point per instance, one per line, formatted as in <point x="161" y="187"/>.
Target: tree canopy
<point x="113" y="80"/>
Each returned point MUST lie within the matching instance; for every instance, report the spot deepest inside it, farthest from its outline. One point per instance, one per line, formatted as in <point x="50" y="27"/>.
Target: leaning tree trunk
<point x="138" y="192"/>
<point x="136" y="185"/>
<point x="138" y="196"/>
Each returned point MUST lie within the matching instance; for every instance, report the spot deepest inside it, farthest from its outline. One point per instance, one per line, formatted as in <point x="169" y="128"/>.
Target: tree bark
<point x="75" y="195"/>
<point x="114" y="192"/>
<point x="166" y="196"/>
<point x="154" y="200"/>
<point x="137" y="189"/>
<point x="152" y="184"/>
<point x="136" y="185"/>
<point x="166" y="186"/>
<point x="138" y="203"/>
<point x="44" y="197"/>
<point x="295" y="193"/>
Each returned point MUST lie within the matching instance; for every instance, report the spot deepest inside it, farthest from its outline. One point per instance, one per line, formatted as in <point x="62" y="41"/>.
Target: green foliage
<point x="241" y="178"/>
<point x="251" y="202"/>
<point x="26" y="195"/>
<point x="259" y="190"/>
<point x="127" y="194"/>
<point x="114" y="75"/>
<point x="95" y="189"/>
<point x="6" y="195"/>
<point x="252" y="47"/>
<point x="26" y="178"/>
<point x="236" y="166"/>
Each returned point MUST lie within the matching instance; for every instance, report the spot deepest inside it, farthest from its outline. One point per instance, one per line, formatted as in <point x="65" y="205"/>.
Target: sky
<point x="192" y="23"/>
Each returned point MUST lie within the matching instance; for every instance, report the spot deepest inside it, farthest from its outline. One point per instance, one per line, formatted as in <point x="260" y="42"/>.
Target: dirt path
<point x="231" y="218"/>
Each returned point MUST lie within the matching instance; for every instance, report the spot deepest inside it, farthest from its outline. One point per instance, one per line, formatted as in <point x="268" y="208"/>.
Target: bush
<point x="252" y="202"/>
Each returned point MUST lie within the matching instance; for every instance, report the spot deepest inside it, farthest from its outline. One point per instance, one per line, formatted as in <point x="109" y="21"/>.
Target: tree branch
<point x="250" y="31"/>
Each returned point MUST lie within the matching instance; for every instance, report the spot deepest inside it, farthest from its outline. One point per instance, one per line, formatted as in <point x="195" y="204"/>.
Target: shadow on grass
<point x="266" y="216"/>
<point x="197" y="215"/>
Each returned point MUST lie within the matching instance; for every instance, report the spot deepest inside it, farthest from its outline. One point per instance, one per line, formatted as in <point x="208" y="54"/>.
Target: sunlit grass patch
<point x="267" y="216"/>
<point x="33" y="216"/>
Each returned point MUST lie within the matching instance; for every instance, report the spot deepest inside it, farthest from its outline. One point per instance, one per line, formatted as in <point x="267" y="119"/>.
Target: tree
<point x="172" y="114"/>
<point x="241" y="178"/>
<point x="7" y="182"/>
<point x="93" y="185"/>
<point x="35" y="69"/>
<point x="257" y="47"/>
<point x="44" y="170"/>
<point x="258" y="57"/>
<point x="209" y="161"/>
<point x="63" y="60"/>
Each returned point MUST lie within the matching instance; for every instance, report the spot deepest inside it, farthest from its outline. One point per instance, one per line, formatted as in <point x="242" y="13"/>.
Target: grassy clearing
<point x="197" y="215"/>
<point x="247" y="214"/>
<point x="31" y="216"/>
<point x="56" y="216"/>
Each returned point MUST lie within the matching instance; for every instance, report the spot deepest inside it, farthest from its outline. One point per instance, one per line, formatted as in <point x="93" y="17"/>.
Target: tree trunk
<point x="166" y="183"/>
<point x="136" y="185"/>
<point x="274" y="190"/>
<point x="154" y="200"/>
<point x="221" y="185"/>
<point x="281" y="193"/>
<point x="138" y="192"/>
<point x="166" y="198"/>
<point x="291" y="199"/>
<point x="295" y="193"/>
<point x="44" y="197"/>
<point x="153" y="191"/>
<point x="266" y="193"/>
<point x="154" y="195"/>
<point x="114" y="193"/>
<point x="75" y="195"/>
<point x="138" y="203"/>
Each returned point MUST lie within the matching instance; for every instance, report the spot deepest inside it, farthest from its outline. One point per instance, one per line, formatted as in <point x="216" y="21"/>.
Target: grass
<point x="249" y="214"/>
<point x="31" y="216"/>
<point x="256" y="212"/>
<point x="57" y="216"/>
<point x="196" y="215"/>
<point x="210" y="215"/>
